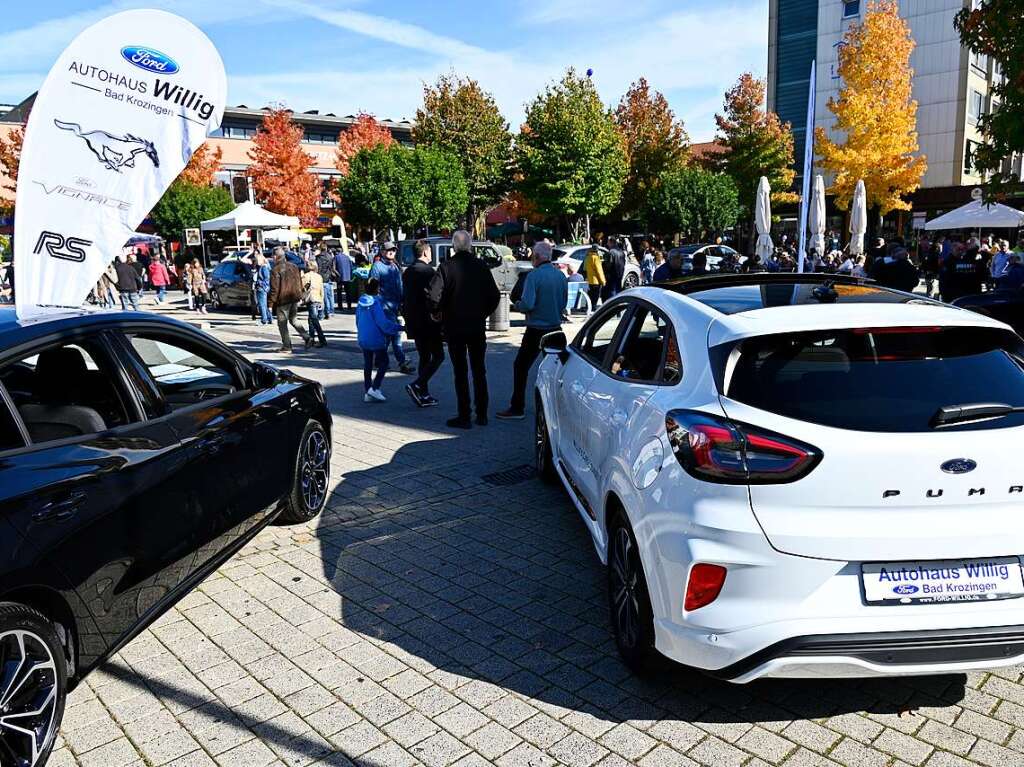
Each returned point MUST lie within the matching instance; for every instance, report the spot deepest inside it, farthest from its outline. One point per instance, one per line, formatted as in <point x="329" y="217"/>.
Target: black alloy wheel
<point x="544" y="460"/>
<point x="312" y="476"/>
<point x="628" y="600"/>
<point x="33" y="676"/>
<point x="630" y="281"/>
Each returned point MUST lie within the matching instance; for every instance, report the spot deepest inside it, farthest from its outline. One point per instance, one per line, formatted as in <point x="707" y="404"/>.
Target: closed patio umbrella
<point x="858" y="220"/>
<point x="763" y="220"/>
<point x="816" y="220"/>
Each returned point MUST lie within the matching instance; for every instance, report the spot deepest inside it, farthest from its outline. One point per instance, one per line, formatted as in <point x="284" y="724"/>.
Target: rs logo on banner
<point x="58" y="246"/>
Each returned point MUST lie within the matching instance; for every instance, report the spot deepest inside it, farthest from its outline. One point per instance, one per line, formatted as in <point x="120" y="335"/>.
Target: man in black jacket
<point x="895" y="270"/>
<point x="325" y="266"/>
<point x="129" y="282"/>
<point x="614" y="270"/>
<point x="420" y="326"/>
<point x="464" y="293"/>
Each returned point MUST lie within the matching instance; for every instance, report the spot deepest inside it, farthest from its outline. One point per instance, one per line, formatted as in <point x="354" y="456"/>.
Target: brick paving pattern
<point x="431" y="618"/>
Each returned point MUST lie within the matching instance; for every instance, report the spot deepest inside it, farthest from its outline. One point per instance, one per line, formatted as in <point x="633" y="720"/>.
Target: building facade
<point x="952" y="85"/>
<point x="234" y="138"/>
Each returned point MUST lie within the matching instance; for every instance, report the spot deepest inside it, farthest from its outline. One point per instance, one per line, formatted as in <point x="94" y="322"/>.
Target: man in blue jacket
<point x="545" y="295"/>
<point x="389" y="277"/>
<point x="343" y="267"/>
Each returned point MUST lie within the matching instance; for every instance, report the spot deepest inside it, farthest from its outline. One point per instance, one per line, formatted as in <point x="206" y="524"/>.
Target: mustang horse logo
<point x="113" y="152"/>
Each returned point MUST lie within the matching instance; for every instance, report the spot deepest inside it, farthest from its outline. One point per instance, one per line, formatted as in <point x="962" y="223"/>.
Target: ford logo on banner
<point x="904" y="588"/>
<point x="149" y="59"/>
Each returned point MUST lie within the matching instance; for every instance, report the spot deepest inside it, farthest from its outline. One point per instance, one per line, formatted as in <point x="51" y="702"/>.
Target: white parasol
<point x="763" y="220"/>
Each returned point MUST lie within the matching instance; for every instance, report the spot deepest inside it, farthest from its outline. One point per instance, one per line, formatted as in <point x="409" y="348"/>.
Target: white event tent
<point x="977" y="215"/>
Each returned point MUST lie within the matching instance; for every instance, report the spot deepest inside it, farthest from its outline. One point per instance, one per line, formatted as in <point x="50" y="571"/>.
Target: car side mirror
<point x="555" y="343"/>
<point x="265" y="376"/>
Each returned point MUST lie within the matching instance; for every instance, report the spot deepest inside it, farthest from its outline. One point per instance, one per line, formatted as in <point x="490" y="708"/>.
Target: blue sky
<point x="346" y="56"/>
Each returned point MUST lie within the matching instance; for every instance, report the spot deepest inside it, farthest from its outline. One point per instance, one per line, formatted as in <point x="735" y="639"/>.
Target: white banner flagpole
<point x="112" y="126"/>
<point x="805" y="194"/>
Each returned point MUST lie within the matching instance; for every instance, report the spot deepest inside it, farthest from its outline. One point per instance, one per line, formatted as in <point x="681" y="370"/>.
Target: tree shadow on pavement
<point x="500" y="586"/>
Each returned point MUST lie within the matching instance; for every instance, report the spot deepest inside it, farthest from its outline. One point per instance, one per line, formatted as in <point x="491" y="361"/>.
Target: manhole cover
<point x="510" y="476"/>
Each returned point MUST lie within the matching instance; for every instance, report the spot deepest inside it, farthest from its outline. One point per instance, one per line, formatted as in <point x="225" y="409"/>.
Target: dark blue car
<point x="137" y="454"/>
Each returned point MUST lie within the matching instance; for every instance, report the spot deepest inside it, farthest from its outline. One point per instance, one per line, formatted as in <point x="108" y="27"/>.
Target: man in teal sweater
<point x="545" y="295"/>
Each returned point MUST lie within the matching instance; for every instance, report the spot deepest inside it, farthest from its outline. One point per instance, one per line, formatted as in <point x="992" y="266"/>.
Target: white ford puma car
<point x="789" y="475"/>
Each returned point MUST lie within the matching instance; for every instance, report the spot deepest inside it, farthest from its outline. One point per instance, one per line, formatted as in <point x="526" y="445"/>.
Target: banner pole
<point x="805" y="192"/>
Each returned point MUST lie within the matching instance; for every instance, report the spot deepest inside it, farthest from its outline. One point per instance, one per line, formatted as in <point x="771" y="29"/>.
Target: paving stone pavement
<point x="430" y="618"/>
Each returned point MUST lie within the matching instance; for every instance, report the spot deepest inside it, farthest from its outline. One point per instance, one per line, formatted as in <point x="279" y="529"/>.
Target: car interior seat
<point x="61" y="379"/>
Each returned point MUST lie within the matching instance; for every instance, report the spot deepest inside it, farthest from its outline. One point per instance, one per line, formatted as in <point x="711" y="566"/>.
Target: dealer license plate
<point x="953" y="580"/>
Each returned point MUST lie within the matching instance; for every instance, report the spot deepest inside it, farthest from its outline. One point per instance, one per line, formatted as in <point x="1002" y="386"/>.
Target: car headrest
<point x="60" y="374"/>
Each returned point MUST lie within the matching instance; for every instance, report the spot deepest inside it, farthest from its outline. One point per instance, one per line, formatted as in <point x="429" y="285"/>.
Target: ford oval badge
<point x="904" y="588"/>
<point x="959" y="466"/>
<point x="149" y="59"/>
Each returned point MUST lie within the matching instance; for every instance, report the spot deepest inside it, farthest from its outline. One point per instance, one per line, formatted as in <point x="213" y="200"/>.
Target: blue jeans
<point x="395" y="342"/>
<point x="161" y="293"/>
<point x="316" y="313"/>
<point x="374" y="358"/>
<point x="130" y="298"/>
<point x="328" y="298"/>
<point x="261" y="302"/>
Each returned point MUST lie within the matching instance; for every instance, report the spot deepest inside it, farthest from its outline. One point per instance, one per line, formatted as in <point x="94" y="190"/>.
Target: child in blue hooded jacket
<point x="374" y="328"/>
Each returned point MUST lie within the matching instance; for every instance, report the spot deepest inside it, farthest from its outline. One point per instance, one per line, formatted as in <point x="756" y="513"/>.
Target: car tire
<point x="544" y="458"/>
<point x="33" y="693"/>
<point x="629" y="602"/>
<point x="630" y="281"/>
<point x="312" y="476"/>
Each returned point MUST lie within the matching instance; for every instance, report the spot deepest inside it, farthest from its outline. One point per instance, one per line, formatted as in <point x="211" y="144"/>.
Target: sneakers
<point x="309" y="342"/>
<point x="406" y="369"/>
<point x="510" y="415"/>
<point x="428" y="401"/>
<point x="374" y="395"/>
<point x="414" y="395"/>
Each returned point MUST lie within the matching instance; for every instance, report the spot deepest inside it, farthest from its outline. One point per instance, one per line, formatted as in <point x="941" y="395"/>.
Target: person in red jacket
<point x="159" y="278"/>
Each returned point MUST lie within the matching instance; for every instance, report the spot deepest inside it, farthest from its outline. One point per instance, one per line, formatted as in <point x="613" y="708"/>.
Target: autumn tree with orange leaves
<point x="280" y="168"/>
<point x="204" y="163"/>
<point x="876" y="116"/>
<point x="758" y="144"/>
<point x="365" y="133"/>
<point x="656" y="143"/>
<point x="10" y="159"/>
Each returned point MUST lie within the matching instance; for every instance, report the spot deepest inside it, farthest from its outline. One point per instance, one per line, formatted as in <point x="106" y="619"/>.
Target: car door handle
<point x="577" y="388"/>
<point x="619" y="418"/>
<point x="210" y="445"/>
<point x="61" y="508"/>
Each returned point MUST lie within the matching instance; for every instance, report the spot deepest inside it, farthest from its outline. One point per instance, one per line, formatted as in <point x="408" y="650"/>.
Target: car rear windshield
<point x="880" y="379"/>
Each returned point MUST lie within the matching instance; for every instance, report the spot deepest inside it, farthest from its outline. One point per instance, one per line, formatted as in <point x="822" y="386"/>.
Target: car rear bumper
<point x="881" y="653"/>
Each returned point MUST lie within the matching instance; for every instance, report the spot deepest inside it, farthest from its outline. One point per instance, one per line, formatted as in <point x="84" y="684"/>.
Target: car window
<point x="598" y="335"/>
<point x="10" y="434"/>
<point x="642" y="347"/>
<point x="488" y="255"/>
<point x="881" y="379"/>
<point x="222" y="271"/>
<point x="67" y="390"/>
<point x="406" y="255"/>
<point x="184" y="373"/>
<point x="443" y="251"/>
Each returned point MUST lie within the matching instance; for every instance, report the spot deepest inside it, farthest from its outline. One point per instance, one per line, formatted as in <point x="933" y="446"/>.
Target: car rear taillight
<point x="719" y="450"/>
<point x="703" y="586"/>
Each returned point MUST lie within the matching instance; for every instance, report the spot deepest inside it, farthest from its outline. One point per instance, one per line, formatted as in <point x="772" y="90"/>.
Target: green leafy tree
<point x="656" y="142"/>
<point x="437" y="188"/>
<point x="996" y="28"/>
<point x="185" y="206"/>
<point x="460" y="118"/>
<point x="694" y="202"/>
<point x="571" y="154"/>
<point x="758" y="143"/>
<point x="390" y="186"/>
